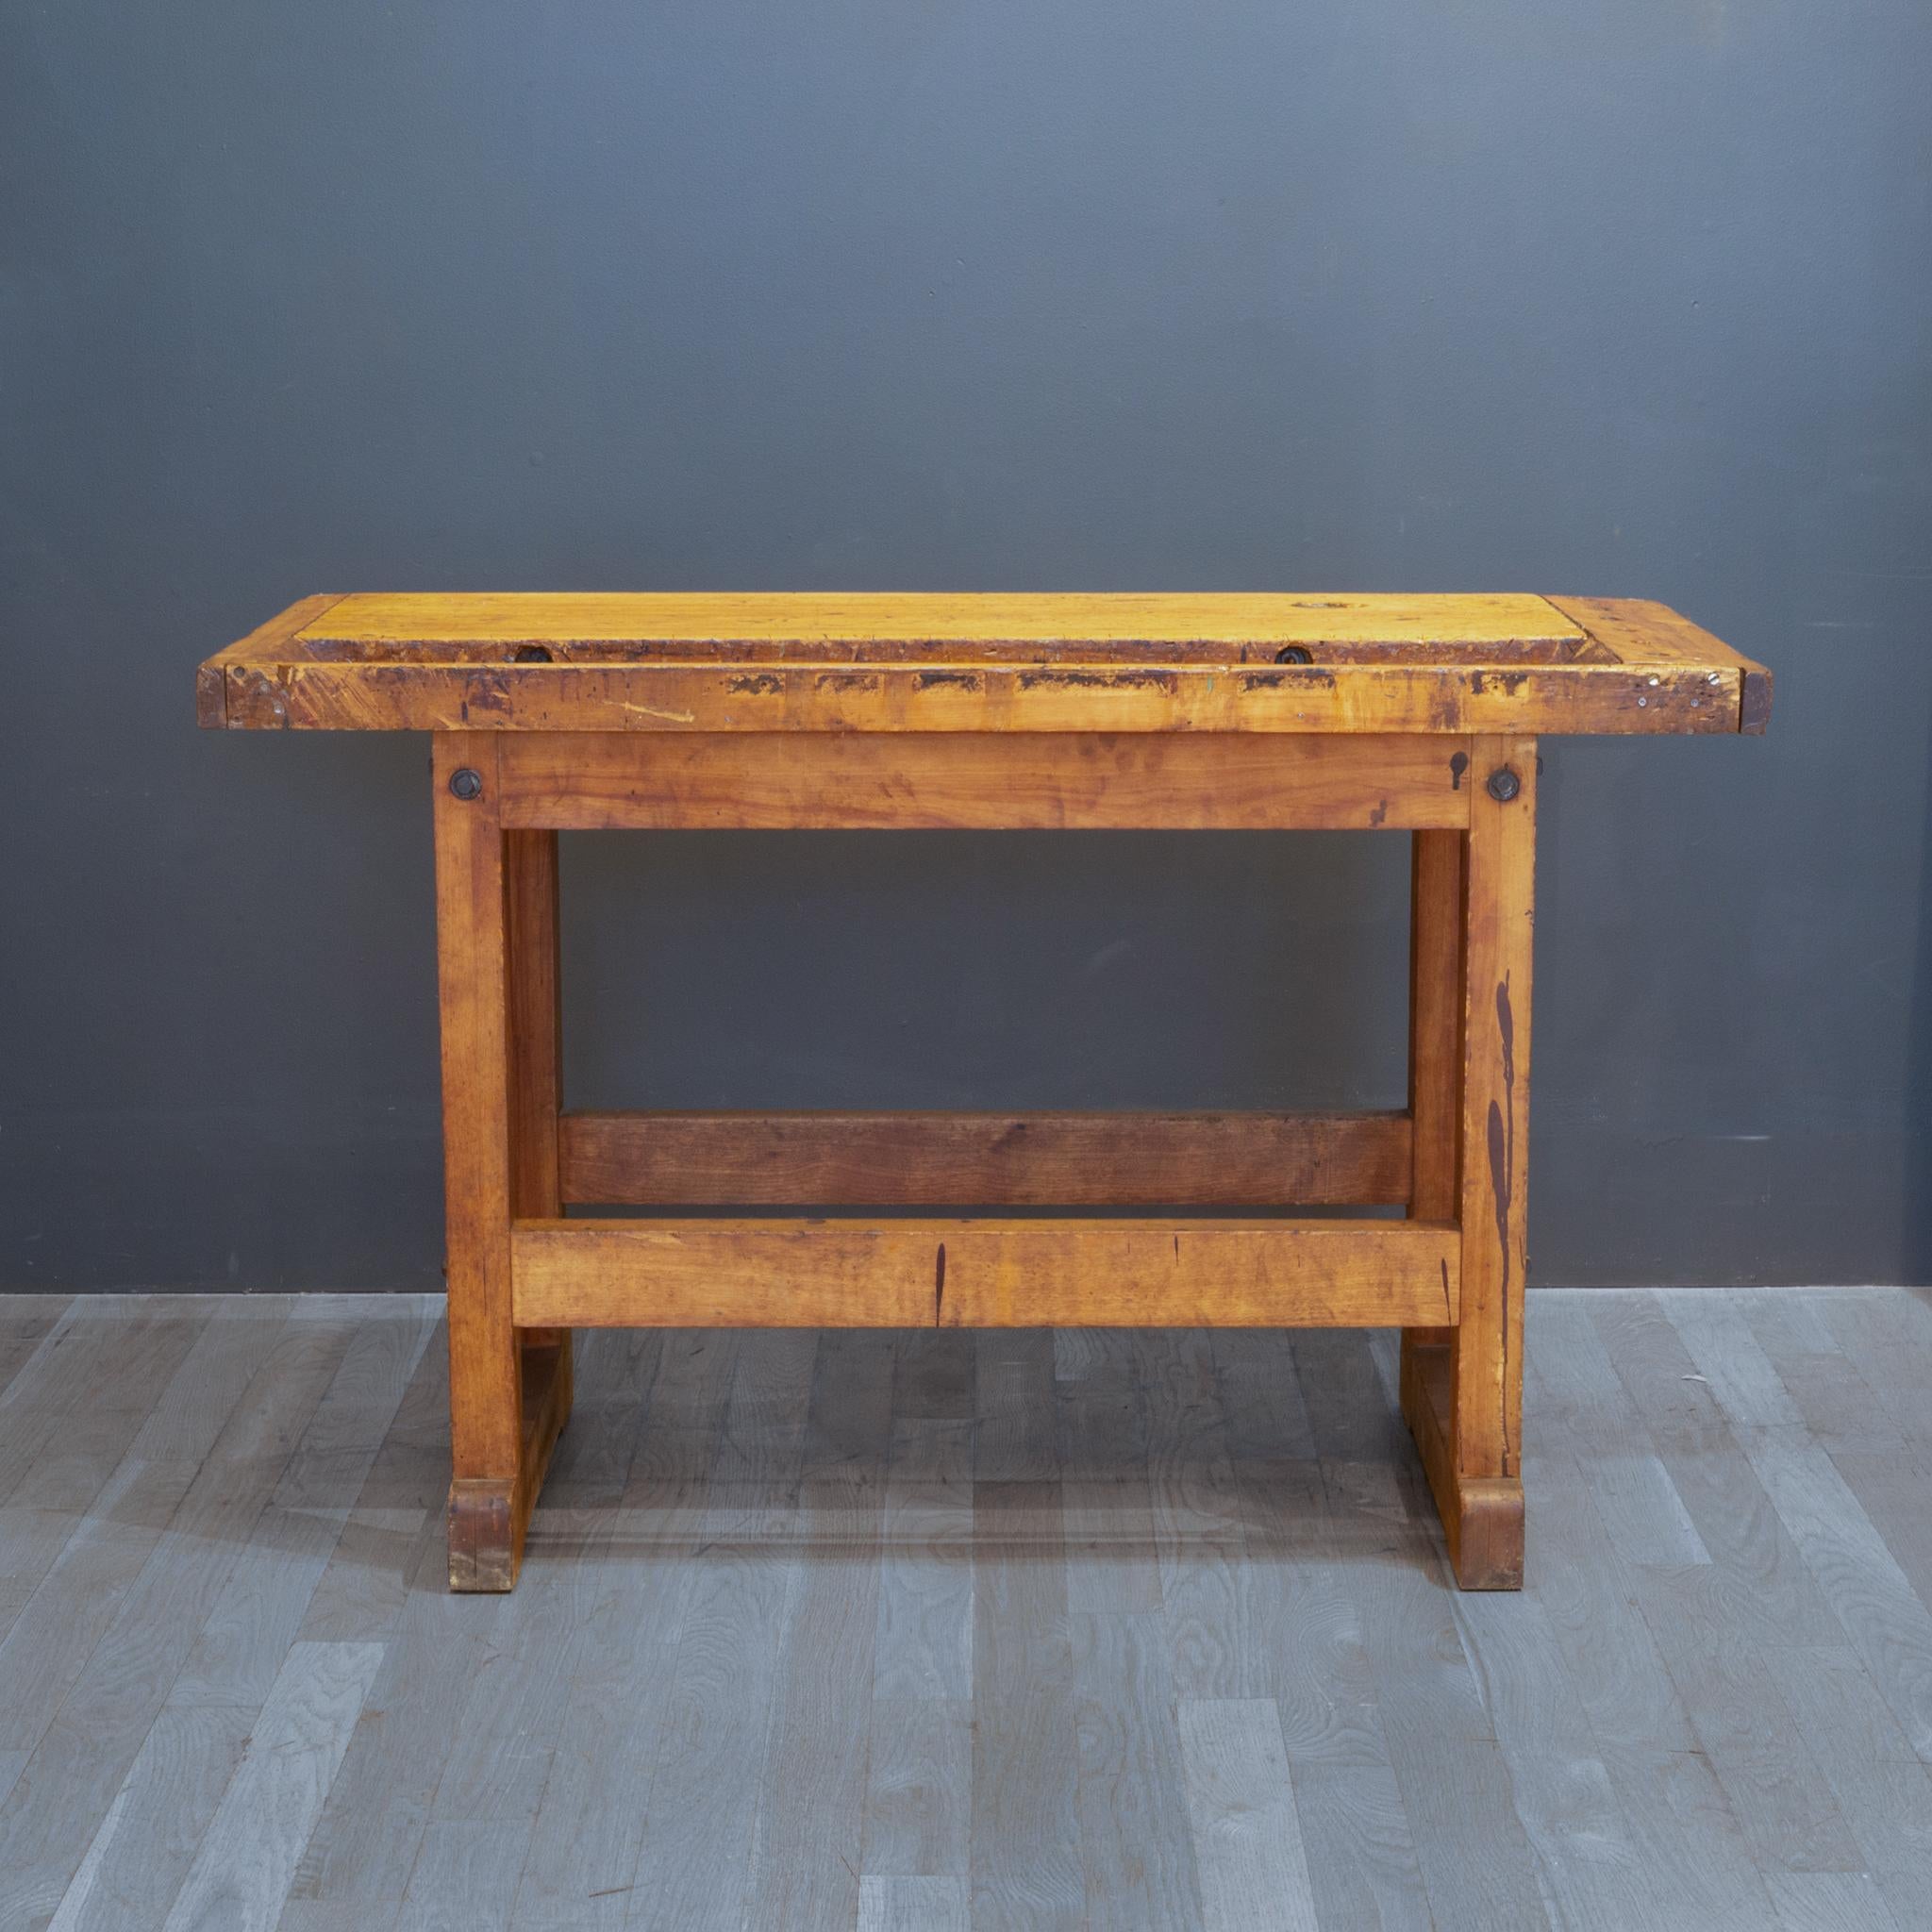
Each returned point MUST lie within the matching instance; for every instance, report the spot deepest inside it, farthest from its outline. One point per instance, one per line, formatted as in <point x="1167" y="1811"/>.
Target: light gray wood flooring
<point x="924" y="1632"/>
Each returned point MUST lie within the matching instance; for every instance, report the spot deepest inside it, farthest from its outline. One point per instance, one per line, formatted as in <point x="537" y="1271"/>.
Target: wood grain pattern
<point x="263" y="1604"/>
<point x="1640" y="632"/>
<point x="973" y="711"/>
<point x="267" y="642"/>
<point x="978" y="781"/>
<point x="1434" y="1035"/>
<point x="1015" y="1437"/>
<point x="154" y="1828"/>
<point x="1130" y="1772"/>
<point x="982" y="1274"/>
<point x="1469" y="1427"/>
<point x="919" y="1780"/>
<point x="1587" y="1594"/>
<point x="84" y="1757"/>
<point x="1482" y="1521"/>
<point x="1439" y="699"/>
<point x="1007" y="1160"/>
<point x="1494" y="1209"/>
<point x="1468" y="1836"/>
<point x="536" y="1031"/>
<point x="1685" y="1829"/>
<point x="1301" y="1634"/>
<point x="84" y="1507"/>
<point x="101" y="1354"/>
<point x="1434" y="1027"/>
<point x="583" y="1864"/>
<point x="1073" y="711"/>
<point x="1453" y="1760"/>
<point x="62" y="1623"/>
<point x="496" y="899"/>
<point x="1105" y="1506"/>
<point x="693" y="1868"/>
<point x="22" y="1334"/>
<point x="1026" y="1869"/>
<point x="1362" y="1866"/>
<point x="807" y="620"/>
<point x="1886" y="1350"/>
<point x="1888" y="1625"/>
<point x="1883" y="1788"/>
<point x="815" y="1763"/>
<point x="489" y="1516"/>
<point x="1830" y="1901"/>
<point x="474" y="978"/>
<point x="885" y="662"/>
<point x="506" y="1735"/>
<point x="922" y="1648"/>
<point x="535" y="1018"/>
<point x="1247" y="1836"/>
<point x="1194" y="1509"/>
<point x="913" y="1904"/>
<point x="1756" y="1582"/>
<point x="1787" y="1810"/>
<point x="247" y="1858"/>
<point x="1586" y="1861"/>
<point x="365" y="1844"/>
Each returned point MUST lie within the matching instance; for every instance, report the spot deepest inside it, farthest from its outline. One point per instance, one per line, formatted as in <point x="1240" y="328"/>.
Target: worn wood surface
<point x="932" y="1574"/>
<point x="495" y="897"/>
<point x="1378" y="698"/>
<point x="1499" y="890"/>
<point x="970" y="711"/>
<point x="1434" y="1027"/>
<point x="1482" y="1512"/>
<point x="978" y="781"/>
<point x="782" y="1272"/>
<point x="987" y="1161"/>
<point x="472" y="961"/>
<point x="892" y="662"/>
<point x="267" y="642"/>
<point x="906" y="711"/>
<point x="535" y="1013"/>
<point x="1463" y="1392"/>
<point x="532" y="912"/>
<point x="490" y="1515"/>
<point x="1640" y="632"/>
<point x="1434" y="1035"/>
<point x="757" y="625"/>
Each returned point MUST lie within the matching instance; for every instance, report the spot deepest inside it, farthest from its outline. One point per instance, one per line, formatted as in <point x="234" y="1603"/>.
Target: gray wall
<point x="1625" y="297"/>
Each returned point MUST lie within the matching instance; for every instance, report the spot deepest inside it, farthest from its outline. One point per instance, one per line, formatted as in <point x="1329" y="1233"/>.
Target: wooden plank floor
<point x="932" y="1631"/>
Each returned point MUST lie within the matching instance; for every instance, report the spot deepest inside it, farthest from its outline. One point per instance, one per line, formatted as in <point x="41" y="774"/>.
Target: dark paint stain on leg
<point x="1502" y="1139"/>
<point x="938" y="1285"/>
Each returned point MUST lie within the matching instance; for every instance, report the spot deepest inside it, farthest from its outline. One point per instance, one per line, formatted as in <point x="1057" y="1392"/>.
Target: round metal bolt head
<point x="466" y="783"/>
<point x="1504" y="785"/>
<point x="1292" y="654"/>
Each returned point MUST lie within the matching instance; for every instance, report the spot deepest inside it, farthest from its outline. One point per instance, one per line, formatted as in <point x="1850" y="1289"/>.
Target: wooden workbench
<point x="1416" y="714"/>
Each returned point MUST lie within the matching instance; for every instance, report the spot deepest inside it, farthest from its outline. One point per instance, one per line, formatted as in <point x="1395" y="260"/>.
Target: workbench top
<point x="1006" y="661"/>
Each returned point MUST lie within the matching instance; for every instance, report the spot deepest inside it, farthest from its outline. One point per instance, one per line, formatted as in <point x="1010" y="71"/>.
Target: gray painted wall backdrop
<point x="1613" y="297"/>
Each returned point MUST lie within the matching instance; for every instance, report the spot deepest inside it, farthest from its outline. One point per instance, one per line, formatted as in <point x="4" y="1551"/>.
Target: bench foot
<point x="488" y="1516"/>
<point x="1482" y="1515"/>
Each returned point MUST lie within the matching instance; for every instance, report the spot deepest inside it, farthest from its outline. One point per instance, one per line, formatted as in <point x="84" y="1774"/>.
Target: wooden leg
<point x="505" y="1405"/>
<point x="1463" y="1396"/>
<point x="536" y="1042"/>
<point x="1435" y="1041"/>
